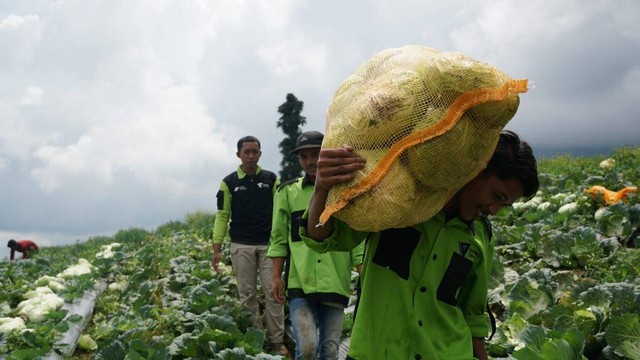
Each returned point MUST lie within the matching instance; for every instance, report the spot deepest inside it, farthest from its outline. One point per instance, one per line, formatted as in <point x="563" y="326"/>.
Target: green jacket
<point x="316" y="277"/>
<point x="424" y="288"/>
<point x="244" y="206"/>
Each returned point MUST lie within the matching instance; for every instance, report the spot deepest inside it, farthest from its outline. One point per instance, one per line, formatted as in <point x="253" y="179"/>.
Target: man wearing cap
<point x="245" y="204"/>
<point x="317" y="285"/>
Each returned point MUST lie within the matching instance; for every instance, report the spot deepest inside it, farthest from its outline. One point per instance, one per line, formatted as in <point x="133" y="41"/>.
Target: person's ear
<point x="238" y="154"/>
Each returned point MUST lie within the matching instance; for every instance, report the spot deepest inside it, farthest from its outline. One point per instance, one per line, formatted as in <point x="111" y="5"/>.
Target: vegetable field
<point x="162" y="301"/>
<point x="565" y="282"/>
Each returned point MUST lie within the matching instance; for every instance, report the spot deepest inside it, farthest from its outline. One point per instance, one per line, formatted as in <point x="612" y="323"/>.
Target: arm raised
<point x="335" y="166"/>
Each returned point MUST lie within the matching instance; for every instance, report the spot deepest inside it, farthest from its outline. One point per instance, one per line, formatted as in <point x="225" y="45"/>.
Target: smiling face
<point x="483" y="196"/>
<point x="249" y="155"/>
<point x="308" y="159"/>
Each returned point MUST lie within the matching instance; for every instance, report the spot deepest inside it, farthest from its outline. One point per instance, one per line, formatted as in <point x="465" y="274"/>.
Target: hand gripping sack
<point x="427" y="122"/>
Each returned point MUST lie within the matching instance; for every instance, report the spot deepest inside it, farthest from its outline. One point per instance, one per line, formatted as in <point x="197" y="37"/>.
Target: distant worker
<point x="245" y="205"/>
<point x="23" y="246"/>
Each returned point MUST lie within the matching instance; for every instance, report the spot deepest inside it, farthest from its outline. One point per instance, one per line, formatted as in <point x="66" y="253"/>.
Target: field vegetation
<point x="565" y="282"/>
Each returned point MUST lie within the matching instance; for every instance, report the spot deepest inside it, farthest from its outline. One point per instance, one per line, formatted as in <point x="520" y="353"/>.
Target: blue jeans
<point x="317" y="329"/>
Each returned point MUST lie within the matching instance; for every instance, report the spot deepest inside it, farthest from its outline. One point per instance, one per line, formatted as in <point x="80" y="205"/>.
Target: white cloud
<point x="507" y="26"/>
<point x="11" y="22"/>
<point x="295" y="58"/>
<point x="275" y="14"/>
<point x="33" y="96"/>
<point x="159" y="142"/>
<point x="61" y="161"/>
<point x="122" y="96"/>
<point x="18" y="137"/>
<point x="19" y="36"/>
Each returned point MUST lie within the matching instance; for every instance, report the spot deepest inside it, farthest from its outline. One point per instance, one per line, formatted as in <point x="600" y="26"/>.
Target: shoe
<point x="280" y="349"/>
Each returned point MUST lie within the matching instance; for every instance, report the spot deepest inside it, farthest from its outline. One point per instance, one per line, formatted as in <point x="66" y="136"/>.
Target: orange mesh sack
<point x="426" y="121"/>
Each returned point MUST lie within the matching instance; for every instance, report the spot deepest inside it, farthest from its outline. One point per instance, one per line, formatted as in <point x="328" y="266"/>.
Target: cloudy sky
<point x="120" y="113"/>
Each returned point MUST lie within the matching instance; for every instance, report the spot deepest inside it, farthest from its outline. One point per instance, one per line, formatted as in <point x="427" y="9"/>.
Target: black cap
<point x="308" y="139"/>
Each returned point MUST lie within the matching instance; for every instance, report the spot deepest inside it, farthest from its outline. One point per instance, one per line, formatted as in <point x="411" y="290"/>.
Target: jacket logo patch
<point x="263" y="185"/>
<point x="473" y="254"/>
<point x="239" y="188"/>
<point x="464" y="247"/>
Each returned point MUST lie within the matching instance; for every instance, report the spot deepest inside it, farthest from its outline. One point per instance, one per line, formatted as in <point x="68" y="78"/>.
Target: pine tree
<point x="290" y="123"/>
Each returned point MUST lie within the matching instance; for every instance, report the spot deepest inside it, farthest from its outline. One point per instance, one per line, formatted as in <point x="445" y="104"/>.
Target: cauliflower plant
<point x="82" y="267"/>
<point x="9" y="325"/>
<point x="54" y="283"/>
<point x="106" y="251"/>
<point x="85" y="342"/>
<point x="607" y="164"/>
<point x="116" y="287"/>
<point x="570" y="208"/>
<point x="39" y="303"/>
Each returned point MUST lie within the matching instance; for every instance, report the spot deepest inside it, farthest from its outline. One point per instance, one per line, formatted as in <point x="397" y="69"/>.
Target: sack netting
<point x="427" y="122"/>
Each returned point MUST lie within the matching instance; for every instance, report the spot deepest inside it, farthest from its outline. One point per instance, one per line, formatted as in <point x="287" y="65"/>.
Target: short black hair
<point x="247" y="138"/>
<point x="513" y="158"/>
<point x="12" y="243"/>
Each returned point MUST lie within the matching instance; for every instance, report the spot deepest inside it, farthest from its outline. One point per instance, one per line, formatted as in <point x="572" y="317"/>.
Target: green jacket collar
<point x="242" y="174"/>
<point x="456" y="222"/>
<point x="306" y="181"/>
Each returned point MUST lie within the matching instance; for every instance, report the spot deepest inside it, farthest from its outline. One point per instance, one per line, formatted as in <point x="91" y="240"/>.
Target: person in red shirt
<point x="23" y="246"/>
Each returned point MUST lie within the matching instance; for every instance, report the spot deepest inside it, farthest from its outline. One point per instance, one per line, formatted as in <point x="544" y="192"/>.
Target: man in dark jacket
<point x="245" y="206"/>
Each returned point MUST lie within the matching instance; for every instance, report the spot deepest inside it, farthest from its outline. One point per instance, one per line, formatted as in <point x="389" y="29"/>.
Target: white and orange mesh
<point x="426" y="121"/>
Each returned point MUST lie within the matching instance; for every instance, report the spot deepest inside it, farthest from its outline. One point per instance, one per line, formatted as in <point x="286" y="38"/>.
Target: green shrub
<point x="200" y="223"/>
<point x="131" y="235"/>
<point x="171" y="228"/>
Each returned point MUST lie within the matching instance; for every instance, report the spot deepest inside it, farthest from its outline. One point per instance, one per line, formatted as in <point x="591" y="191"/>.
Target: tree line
<point x="290" y="123"/>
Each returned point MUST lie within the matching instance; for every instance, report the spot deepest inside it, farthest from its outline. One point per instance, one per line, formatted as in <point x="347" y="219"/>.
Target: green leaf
<point x="586" y="245"/>
<point x="528" y="298"/>
<point x="550" y="349"/>
<point x="558" y="349"/>
<point x="62" y="327"/>
<point x="75" y="318"/>
<point x="185" y="344"/>
<point x="218" y="320"/>
<point x="614" y="220"/>
<point x="527" y="354"/>
<point x="87" y="343"/>
<point x="623" y="335"/>
<point x="57" y="315"/>
<point x="232" y="354"/>
<point x="114" y="351"/>
<point x="253" y="340"/>
<point x="201" y="300"/>
<point x="533" y="336"/>
<point x="142" y="350"/>
<point x="102" y="331"/>
<point x="573" y="337"/>
<point x="613" y="298"/>
<point x="27" y="354"/>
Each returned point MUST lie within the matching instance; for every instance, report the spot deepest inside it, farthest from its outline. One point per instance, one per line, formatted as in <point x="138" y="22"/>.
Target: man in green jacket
<point x="245" y="204"/>
<point x="424" y="287"/>
<point x="317" y="285"/>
